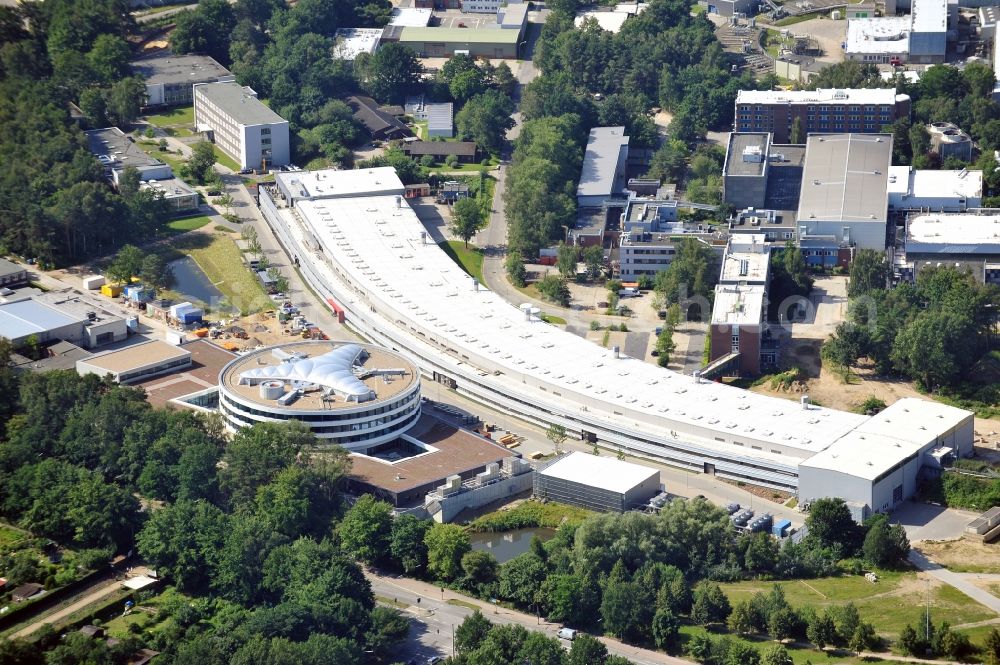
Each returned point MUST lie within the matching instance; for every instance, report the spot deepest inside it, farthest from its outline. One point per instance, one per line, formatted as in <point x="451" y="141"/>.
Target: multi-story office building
<point x="170" y="78"/>
<point x="863" y="111"/>
<point x="243" y="128"/>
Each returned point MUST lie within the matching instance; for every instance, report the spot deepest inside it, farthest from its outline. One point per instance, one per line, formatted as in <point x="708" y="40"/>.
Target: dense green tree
<point x="666" y="629"/>
<point x="885" y="545"/>
<point x="776" y="655"/>
<point x="991" y="647"/>
<point x="472" y="632"/>
<point x="391" y="73"/>
<point x="690" y="274"/>
<point x="480" y="569"/>
<point x="741" y="653"/>
<point x="126" y="265"/>
<point x="406" y="543"/>
<point x="205" y="30"/>
<point x="109" y="58"/>
<point x="182" y="542"/>
<point x="831" y="525"/>
<point x="587" y="650"/>
<point x="366" y="529"/>
<point x="710" y="604"/>
<point x="485" y="119"/>
<point x="255" y="455"/>
<point x="514" y="266"/>
<point x="820" y="630"/>
<point x="202" y="159"/>
<point x="520" y="578"/>
<point x="566" y="259"/>
<point x="446" y="545"/>
<point x="555" y="289"/>
<point x="869" y="272"/>
<point x="466" y="219"/>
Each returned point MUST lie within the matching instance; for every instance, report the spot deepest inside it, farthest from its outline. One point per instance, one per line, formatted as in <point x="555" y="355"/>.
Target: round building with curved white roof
<point x="354" y="395"/>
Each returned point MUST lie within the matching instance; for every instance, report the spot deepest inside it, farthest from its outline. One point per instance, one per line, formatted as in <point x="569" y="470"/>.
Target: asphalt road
<point x="433" y="619"/>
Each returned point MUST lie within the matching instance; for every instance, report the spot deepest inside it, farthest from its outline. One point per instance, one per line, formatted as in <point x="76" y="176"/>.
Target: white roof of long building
<point x="905" y="181"/>
<point x="333" y="183"/>
<point x="885" y="440"/>
<point x="883" y="34"/>
<point x="600" y="161"/>
<point x="929" y="15"/>
<point x="835" y="96"/>
<point x="604" y="473"/>
<point x="953" y="233"/>
<point x="378" y="245"/>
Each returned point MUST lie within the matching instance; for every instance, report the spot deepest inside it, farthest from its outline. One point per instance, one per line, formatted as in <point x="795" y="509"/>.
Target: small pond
<point x="506" y="545"/>
<point x="192" y="284"/>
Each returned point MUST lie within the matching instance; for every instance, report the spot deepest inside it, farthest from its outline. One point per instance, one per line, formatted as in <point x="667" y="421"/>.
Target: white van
<point x="567" y="633"/>
<point x="628" y="292"/>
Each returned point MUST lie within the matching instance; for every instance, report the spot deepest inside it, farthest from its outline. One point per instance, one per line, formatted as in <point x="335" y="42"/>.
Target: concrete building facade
<point x="245" y="129"/>
<point x="818" y="111"/>
<point x="879" y="465"/>
<point x="136" y="362"/>
<point x="598" y="483"/>
<point x="356" y="395"/>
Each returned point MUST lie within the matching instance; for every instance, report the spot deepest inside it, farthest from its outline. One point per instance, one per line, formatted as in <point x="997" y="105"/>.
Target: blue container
<point x="781" y="528"/>
<point x="191" y="316"/>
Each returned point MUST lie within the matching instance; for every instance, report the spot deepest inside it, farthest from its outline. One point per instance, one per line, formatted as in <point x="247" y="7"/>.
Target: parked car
<point x="567" y="633"/>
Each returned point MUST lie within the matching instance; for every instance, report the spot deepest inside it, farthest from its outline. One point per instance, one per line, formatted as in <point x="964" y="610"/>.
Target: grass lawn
<point x="530" y="514"/>
<point x="462" y="603"/>
<point x="698" y="9"/>
<point x="9" y="536"/>
<point x="222" y="262"/>
<point x="555" y="320"/>
<point x="178" y="131"/>
<point x="421" y="129"/>
<point x="799" y="656"/>
<point x="897" y="599"/>
<point x="173" y="159"/>
<point x="182" y="115"/>
<point x="470" y="259"/>
<point x="188" y="224"/>
<point x="225" y="159"/>
<point x="792" y="20"/>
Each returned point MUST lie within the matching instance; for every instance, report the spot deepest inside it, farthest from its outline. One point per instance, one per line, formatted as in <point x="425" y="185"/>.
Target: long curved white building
<point x="354" y="395"/>
<point x="369" y="254"/>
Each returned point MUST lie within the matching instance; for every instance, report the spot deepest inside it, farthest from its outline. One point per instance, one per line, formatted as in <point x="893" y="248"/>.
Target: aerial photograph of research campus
<point x="499" y="332"/>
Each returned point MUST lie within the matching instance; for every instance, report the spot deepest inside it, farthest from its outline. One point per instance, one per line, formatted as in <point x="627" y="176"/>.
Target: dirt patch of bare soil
<point x="959" y="555"/>
<point x="829" y="388"/>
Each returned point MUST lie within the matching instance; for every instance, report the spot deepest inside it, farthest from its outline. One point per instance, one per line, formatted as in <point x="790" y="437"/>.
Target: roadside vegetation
<point x="79" y="459"/>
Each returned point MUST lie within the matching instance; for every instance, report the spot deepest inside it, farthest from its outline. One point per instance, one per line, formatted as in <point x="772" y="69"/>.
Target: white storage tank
<point x="272" y="390"/>
<point x="93" y="282"/>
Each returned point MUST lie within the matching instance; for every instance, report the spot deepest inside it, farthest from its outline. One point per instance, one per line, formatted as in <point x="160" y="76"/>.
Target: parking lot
<point x="471" y="21"/>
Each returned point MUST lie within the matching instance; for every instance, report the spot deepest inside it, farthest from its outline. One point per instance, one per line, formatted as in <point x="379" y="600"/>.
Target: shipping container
<point x="781" y="528"/>
<point x="111" y="290"/>
<point x="93" y="282"/>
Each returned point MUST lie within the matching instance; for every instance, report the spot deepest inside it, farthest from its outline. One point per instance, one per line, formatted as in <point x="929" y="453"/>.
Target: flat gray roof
<point x="846" y="178"/>
<point x="440" y="115"/>
<point x="121" y="151"/>
<point x="600" y="161"/>
<point x="10" y="268"/>
<point x="239" y="103"/>
<point x="170" y="68"/>
<point x="31" y="317"/>
<point x="752" y="145"/>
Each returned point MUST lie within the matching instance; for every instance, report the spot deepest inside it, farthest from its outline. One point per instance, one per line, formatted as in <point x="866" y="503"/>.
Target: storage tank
<point x="272" y="390"/>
